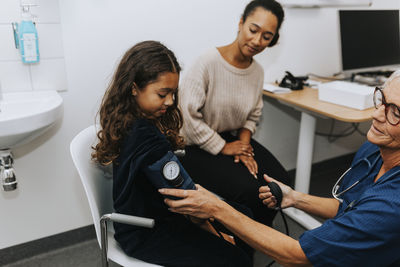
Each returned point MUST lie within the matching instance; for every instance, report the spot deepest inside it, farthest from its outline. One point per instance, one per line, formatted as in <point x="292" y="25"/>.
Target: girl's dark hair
<point x="141" y="65"/>
<point x="271" y="5"/>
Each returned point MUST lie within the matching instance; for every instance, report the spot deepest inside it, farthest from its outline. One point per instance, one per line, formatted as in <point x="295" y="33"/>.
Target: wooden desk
<point x="307" y="99"/>
<point x="307" y="102"/>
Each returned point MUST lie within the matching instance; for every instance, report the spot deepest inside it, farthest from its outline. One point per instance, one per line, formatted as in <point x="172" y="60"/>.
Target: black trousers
<point x="178" y="242"/>
<point x="233" y="181"/>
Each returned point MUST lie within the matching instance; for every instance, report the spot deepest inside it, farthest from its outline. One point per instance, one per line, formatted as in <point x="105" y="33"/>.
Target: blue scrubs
<point x="368" y="233"/>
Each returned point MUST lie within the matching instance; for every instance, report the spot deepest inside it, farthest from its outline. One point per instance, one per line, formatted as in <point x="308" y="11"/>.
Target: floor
<point x="87" y="253"/>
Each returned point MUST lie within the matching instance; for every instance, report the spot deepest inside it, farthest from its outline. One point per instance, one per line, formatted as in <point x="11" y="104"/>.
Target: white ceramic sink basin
<point x="26" y="115"/>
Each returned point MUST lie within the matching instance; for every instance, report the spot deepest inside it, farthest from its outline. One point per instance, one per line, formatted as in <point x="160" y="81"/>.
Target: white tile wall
<point x="7" y="44"/>
<point x="49" y="73"/>
<point x="14" y="76"/>
<point x="50" y="41"/>
<point x="47" y="11"/>
<point x="9" y="11"/>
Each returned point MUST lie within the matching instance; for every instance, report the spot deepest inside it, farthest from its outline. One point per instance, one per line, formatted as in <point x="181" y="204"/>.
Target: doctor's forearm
<point x="284" y="249"/>
<point x="320" y="206"/>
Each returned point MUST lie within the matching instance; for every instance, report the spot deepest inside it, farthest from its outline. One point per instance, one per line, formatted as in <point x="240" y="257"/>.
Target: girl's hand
<point x="238" y="148"/>
<point x="249" y="162"/>
<point x="198" y="203"/>
<point x="288" y="199"/>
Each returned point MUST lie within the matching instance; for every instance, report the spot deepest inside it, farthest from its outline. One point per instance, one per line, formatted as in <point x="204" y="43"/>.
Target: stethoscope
<point x="336" y="187"/>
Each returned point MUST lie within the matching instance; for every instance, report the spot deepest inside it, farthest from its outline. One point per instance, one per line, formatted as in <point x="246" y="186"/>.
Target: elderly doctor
<point x="363" y="226"/>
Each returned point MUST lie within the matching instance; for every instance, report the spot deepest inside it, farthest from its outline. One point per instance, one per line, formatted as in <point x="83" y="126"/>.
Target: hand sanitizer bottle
<point x="28" y="39"/>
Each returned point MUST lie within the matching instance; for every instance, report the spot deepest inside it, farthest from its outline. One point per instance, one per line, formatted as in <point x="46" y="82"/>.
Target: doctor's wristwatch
<point x="172" y="173"/>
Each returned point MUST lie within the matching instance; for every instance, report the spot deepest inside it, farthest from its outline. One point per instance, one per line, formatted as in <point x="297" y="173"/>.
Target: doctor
<point x="363" y="217"/>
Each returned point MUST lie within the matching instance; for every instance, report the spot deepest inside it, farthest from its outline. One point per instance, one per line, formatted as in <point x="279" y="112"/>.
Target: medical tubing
<point x="286" y="229"/>
<point x="284" y="222"/>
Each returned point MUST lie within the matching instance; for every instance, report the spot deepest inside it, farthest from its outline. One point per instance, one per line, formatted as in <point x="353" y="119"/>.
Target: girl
<point x="222" y="94"/>
<point x="140" y="123"/>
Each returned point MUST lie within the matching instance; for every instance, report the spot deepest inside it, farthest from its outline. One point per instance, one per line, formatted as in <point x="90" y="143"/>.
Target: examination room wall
<point x="50" y="198"/>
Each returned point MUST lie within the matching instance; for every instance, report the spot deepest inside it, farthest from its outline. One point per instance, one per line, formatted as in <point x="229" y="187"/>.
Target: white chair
<point x="98" y="190"/>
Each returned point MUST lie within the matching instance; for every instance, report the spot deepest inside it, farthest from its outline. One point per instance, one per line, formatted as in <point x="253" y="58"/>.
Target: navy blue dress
<point x="174" y="241"/>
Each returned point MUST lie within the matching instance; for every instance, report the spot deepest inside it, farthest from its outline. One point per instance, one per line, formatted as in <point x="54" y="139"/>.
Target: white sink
<point x="26" y="115"/>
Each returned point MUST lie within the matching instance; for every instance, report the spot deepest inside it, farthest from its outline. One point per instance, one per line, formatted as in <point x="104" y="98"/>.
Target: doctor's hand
<point x="238" y="148"/>
<point x="199" y="203"/>
<point x="249" y="162"/>
<point x="288" y="199"/>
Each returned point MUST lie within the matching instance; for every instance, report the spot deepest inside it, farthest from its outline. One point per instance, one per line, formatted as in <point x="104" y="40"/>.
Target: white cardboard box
<point x="347" y="94"/>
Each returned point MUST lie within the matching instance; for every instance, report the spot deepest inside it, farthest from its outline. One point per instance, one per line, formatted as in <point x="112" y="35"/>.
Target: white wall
<point x="50" y="199"/>
<point x="49" y="73"/>
<point x="309" y="44"/>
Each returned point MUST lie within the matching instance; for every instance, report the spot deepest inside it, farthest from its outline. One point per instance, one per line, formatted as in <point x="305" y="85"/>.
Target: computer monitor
<point x="370" y="40"/>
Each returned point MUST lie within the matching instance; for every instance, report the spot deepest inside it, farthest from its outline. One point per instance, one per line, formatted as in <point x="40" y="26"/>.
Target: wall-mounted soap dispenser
<point x="25" y="34"/>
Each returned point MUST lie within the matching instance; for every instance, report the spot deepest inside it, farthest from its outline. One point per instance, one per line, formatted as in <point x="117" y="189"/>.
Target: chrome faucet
<point x="7" y="173"/>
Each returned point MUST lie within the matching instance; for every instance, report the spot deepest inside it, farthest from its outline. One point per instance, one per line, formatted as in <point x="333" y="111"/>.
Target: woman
<point x="140" y="124"/>
<point x="221" y="94"/>
<point x="363" y="226"/>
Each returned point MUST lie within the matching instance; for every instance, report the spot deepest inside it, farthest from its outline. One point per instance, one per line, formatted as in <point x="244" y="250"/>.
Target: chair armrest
<point x="120" y="218"/>
<point x="132" y="220"/>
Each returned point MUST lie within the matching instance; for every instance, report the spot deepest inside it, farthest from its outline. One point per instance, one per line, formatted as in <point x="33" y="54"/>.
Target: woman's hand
<point x="249" y="162"/>
<point x="288" y="199"/>
<point x="198" y="203"/>
<point x="237" y="148"/>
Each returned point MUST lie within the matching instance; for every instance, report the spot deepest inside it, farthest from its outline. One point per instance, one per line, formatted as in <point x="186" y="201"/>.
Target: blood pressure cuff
<point x="154" y="172"/>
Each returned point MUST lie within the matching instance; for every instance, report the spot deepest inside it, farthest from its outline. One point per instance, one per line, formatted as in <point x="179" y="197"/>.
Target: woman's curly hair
<point x="141" y="65"/>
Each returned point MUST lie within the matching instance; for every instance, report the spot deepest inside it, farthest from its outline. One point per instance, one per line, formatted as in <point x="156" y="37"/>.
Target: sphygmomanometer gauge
<point x="171" y="173"/>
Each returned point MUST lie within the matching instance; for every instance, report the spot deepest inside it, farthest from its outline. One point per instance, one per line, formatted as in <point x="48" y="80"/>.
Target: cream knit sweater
<point x="215" y="96"/>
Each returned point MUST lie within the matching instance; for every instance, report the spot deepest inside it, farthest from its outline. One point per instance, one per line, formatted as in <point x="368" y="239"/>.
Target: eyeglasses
<point x="392" y="112"/>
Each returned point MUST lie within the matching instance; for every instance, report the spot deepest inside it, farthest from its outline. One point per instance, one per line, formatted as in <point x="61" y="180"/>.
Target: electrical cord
<point x="333" y="137"/>
<point x="354" y="127"/>
<point x="359" y="131"/>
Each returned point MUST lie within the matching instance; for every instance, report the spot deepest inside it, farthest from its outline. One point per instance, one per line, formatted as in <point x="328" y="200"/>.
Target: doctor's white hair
<point x="394" y="75"/>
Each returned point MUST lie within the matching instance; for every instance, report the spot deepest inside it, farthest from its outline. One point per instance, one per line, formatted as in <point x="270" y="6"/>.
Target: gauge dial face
<point x="171" y="170"/>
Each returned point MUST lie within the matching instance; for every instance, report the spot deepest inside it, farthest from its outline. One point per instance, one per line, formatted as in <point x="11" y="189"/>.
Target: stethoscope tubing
<point x="335" y="188"/>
